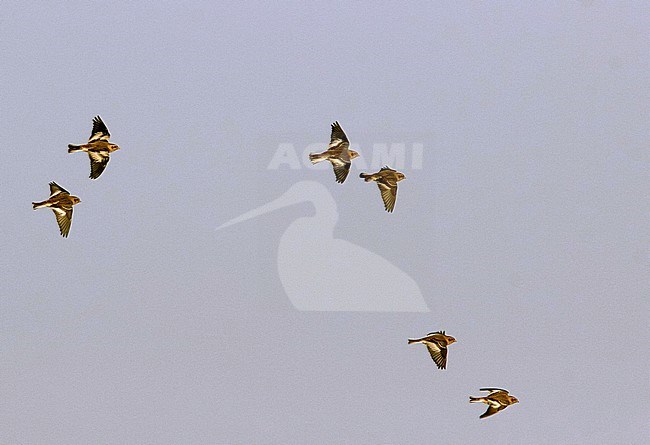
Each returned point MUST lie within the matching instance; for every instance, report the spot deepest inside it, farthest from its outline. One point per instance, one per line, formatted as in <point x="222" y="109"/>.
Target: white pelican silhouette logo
<point x="322" y="273"/>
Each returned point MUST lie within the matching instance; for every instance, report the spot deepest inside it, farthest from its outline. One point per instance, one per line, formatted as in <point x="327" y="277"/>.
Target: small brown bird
<point x="436" y="343"/>
<point x="497" y="400"/>
<point x="98" y="148"/>
<point x="338" y="153"/>
<point x="387" y="180"/>
<point x="61" y="202"/>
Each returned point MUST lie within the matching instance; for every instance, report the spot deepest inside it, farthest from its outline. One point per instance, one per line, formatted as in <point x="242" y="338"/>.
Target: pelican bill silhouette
<point x="321" y="273"/>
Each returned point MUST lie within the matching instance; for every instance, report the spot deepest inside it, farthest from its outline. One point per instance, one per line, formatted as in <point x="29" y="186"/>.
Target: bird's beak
<point x="283" y="201"/>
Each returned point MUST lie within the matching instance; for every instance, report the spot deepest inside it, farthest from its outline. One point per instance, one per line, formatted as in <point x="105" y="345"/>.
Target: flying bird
<point x="61" y="202"/>
<point x="497" y="400"/>
<point x="98" y="148"/>
<point x="387" y="180"/>
<point x="436" y="343"/>
<point x="338" y="153"/>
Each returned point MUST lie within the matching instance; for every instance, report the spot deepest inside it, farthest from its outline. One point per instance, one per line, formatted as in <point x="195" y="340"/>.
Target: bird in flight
<point x="436" y="343"/>
<point x="61" y="202"/>
<point x="498" y="399"/>
<point x="387" y="180"/>
<point x="98" y="148"/>
<point x="338" y="153"/>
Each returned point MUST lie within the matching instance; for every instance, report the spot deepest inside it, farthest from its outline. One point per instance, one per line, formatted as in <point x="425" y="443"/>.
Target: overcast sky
<point x="525" y="227"/>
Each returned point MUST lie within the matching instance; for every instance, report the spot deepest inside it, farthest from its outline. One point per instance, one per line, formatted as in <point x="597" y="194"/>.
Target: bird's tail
<point x="38" y="205"/>
<point x="315" y="158"/>
<point x="74" y="148"/>
<point x="475" y="399"/>
<point x="366" y="177"/>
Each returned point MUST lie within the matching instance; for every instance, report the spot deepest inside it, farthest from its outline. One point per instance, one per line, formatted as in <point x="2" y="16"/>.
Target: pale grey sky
<point x="526" y="229"/>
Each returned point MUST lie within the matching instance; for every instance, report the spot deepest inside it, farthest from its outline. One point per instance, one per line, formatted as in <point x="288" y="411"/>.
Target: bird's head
<point x="400" y="176"/>
<point x="113" y="147"/>
<point x="75" y="200"/>
<point x="513" y="400"/>
<point x="353" y="154"/>
<point x="450" y="339"/>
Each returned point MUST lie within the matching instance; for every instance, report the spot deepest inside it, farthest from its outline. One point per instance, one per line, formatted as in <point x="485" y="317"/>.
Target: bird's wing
<point x="491" y="410"/>
<point x="388" y="194"/>
<point x="55" y="189"/>
<point x="341" y="169"/>
<point x="438" y="354"/>
<point x="100" y="132"/>
<point x="98" y="162"/>
<point x="338" y="137"/>
<point x="64" y="219"/>
<point x="493" y="390"/>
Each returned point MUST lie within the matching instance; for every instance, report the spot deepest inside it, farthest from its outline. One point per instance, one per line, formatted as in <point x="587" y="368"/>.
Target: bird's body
<point x="61" y="202"/>
<point x="497" y="400"/>
<point x="338" y="153"/>
<point x="436" y="343"/>
<point x="386" y="180"/>
<point x="98" y="148"/>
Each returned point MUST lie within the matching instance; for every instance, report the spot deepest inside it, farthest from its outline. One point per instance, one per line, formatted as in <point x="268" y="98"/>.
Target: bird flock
<point x="340" y="155"/>
<point x="437" y="342"/>
<point x="99" y="149"/>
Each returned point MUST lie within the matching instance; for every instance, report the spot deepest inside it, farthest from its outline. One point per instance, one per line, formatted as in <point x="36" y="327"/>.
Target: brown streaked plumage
<point x="497" y="400"/>
<point x="98" y="148"/>
<point x="387" y="180"/>
<point x="338" y="153"/>
<point x="436" y="343"/>
<point x="61" y="202"/>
